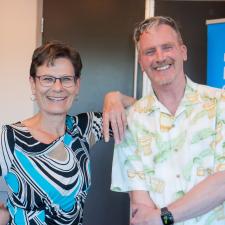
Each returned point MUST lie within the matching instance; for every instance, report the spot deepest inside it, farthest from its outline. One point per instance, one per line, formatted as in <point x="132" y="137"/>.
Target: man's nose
<point x="160" y="56"/>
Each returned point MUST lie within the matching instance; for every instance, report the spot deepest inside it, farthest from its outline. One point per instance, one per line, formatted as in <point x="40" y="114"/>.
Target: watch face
<point x="167" y="220"/>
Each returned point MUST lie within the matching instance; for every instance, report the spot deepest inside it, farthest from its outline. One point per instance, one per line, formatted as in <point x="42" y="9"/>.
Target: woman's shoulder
<point x="11" y="127"/>
<point x="8" y="135"/>
<point x="86" y="116"/>
<point x="83" y="121"/>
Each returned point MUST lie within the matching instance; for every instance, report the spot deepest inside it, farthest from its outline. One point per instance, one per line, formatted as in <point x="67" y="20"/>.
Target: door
<point x="101" y="31"/>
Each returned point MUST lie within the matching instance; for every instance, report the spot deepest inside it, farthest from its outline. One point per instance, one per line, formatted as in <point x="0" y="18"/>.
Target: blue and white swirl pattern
<point x="45" y="190"/>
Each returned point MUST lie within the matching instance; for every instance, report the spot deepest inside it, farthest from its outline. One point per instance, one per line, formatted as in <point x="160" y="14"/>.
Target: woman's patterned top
<point x="44" y="189"/>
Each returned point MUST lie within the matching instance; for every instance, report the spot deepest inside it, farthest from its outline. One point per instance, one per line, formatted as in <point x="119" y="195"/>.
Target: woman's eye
<point x="66" y="79"/>
<point x="50" y="79"/>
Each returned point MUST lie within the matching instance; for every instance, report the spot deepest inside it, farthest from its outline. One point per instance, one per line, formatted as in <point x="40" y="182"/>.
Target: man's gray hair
<point x="146" y="24"/>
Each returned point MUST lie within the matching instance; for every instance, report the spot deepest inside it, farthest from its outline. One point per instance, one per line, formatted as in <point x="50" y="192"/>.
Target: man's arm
<point x="114" y="113"/>
<point x="202" y="198"/>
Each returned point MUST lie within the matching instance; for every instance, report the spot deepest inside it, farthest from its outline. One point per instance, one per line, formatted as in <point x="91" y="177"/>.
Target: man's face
<point x="161" y="55"/>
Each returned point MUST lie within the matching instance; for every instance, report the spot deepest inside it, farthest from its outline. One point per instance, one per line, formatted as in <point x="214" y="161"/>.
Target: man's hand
<point x="4" y="215"/>
<point x="114" y="113"/>
<point x="145" y="215"/>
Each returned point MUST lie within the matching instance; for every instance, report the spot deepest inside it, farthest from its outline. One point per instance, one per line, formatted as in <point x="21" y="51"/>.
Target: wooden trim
<point x="39" y="22"/>
<point x="222" y="20"/>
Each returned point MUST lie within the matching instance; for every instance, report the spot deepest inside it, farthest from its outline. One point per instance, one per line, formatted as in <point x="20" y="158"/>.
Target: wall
<point x="101" y="31"/>
<point x="20" y="34"/>
<point x="17" y="41"/>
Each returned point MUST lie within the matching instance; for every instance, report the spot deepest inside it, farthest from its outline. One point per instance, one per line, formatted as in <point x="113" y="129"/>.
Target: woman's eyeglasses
<point x="48" y="80"/>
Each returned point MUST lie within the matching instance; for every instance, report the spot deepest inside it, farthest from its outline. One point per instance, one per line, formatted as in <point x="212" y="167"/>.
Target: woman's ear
<point x="77" y="85"/>
<point x="32" y="85"/>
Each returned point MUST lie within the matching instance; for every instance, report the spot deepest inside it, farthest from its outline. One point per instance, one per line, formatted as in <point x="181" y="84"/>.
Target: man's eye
<point x="167" y="47"/>
<point x="149" y="52"/>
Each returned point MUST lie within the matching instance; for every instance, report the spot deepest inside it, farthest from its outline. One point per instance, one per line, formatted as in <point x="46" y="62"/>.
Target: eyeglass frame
<point x="56" y="78"/>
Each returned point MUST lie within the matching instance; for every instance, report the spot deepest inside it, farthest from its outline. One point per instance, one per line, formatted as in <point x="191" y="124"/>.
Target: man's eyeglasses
<point x="48" y="80"/>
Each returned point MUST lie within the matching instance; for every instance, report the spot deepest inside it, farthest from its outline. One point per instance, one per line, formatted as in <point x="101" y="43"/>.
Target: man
<point x="173" y="144"/>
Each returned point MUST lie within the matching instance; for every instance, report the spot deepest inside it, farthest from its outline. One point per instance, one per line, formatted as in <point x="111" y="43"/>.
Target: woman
<point x="45" y="159"/>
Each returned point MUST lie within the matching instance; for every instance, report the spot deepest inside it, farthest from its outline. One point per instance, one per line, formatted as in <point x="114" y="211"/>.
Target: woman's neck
<point x="52" y="126"/>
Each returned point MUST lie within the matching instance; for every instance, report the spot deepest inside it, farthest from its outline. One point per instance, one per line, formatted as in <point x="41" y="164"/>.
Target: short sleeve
<point x="96" y="122"/>
<point x="220" y="134"/>
<point x="88" y="125"/>
<point x="127" y="169"/>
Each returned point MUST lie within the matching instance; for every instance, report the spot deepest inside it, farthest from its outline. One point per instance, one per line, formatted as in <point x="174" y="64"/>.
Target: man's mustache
<point x="165" y="62"/>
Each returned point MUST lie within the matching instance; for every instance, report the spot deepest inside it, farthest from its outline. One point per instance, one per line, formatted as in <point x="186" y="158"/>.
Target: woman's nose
<point x="58" y="84"/>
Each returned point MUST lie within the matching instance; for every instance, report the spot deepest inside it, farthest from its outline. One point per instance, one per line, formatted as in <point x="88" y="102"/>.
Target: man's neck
<point x="170" y="95"/>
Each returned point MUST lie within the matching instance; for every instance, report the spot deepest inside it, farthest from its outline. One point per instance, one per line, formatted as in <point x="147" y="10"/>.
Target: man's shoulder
<point x="143" y="106"/>
<point x="208" y="92"/>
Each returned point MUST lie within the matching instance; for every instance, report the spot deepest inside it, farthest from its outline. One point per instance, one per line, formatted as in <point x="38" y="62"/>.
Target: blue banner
<point x="216" y="54"/>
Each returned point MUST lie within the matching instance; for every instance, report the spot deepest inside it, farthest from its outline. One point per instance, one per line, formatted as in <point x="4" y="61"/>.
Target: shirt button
<point x="178" y="175"/>
<point x="176" y="150"/>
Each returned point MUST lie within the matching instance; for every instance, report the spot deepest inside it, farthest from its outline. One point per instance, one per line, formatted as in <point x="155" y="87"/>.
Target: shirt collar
<point x="191" y="94"/>
<point x="191" y="97"/>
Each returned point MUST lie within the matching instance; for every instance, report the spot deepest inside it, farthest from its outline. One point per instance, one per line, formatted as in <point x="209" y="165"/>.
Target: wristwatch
<point x="166" y="216"/>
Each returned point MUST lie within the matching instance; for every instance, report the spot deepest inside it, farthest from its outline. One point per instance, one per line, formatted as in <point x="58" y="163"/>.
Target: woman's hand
<point x="4" y="215"/>
<point x="114" y="113"/>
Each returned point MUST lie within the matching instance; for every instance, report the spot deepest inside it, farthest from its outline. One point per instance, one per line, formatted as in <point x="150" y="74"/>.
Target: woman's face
<point x="55" y="99"/>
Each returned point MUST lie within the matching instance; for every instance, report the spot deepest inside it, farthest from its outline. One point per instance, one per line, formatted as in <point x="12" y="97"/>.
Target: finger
<point x="120" y="126"/>
<point x="136" y="221"/>
<point x="115" y="130"/>
<point x="124" y="121"/>
<point x="134" y="211"/>
<point x="133" y="221"/>
<point x="106" y="126"/>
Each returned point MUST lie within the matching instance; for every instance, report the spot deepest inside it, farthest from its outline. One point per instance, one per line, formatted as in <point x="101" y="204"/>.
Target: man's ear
<point x="139" y="61"/>
<point x="184" y="52"/>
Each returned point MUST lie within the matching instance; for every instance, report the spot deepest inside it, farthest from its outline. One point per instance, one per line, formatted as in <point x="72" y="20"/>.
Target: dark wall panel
<point x="101" y="30"/>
